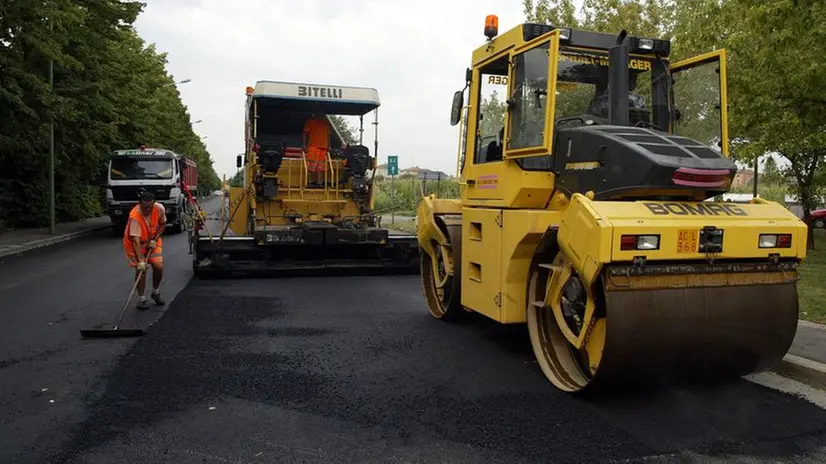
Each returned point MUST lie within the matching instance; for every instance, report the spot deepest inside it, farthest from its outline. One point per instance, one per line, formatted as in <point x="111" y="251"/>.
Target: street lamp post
<point x="51" y="145"/>
<point x="176" y="83"/>
<point x="51" y="155"/>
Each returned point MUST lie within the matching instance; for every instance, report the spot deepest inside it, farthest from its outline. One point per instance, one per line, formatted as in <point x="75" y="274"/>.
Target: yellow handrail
<point x="305" y="171"/>
<point x="461" y="134"/>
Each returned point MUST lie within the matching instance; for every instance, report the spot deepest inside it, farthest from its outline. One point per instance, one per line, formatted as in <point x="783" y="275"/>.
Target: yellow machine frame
<point x="508" y="217"/>
<point x="282" y="218"/>
<point x="331" y="202"/>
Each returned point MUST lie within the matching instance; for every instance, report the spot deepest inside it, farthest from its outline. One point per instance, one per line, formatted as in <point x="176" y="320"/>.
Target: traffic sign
<point x="392" y="165"/>
<point x="431" y="175"/>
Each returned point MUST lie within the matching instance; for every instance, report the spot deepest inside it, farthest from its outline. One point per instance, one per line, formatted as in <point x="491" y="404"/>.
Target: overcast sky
<point x="414" y="53"/>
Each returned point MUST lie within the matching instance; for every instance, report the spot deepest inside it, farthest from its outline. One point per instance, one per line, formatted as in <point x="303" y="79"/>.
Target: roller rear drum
<point x="658" y="328"/>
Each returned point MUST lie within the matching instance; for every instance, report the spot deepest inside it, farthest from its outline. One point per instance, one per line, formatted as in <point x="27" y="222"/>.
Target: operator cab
<point x="294" y="141"/>
<point x="599" y="111"/>
<point x="639" y="113"/>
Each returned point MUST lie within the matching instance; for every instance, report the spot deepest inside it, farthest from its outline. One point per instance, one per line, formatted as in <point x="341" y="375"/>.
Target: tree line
<point x="110" y="91"/>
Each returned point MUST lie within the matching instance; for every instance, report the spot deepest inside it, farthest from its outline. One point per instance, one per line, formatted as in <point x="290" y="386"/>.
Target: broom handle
<point x="126" y="305"/>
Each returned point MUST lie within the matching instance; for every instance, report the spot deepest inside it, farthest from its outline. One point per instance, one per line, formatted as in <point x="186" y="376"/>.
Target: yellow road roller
<point x="587" y="211"/>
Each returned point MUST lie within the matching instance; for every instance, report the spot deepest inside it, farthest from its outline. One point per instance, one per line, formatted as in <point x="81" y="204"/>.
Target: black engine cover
<point x="270" y="156"/>
<point x="358" y="159"/>
<point x="618" y="162"/>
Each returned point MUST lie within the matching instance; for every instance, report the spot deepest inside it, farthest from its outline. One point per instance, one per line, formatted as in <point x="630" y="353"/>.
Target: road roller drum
<point x="660" y="328"/>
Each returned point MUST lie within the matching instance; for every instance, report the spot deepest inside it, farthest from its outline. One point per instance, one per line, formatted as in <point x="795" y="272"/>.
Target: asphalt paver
<point x="353" y="369"/>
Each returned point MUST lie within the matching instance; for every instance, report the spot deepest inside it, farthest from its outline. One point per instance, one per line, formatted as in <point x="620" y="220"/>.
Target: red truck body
<point x="189" y="173"/>
<point x="819" y="218"/>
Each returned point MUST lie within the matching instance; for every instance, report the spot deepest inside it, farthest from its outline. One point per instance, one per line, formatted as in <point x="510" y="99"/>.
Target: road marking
<point x="790" y="386"/>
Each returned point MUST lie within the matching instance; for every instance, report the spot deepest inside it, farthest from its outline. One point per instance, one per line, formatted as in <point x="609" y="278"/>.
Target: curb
<point x="812" y="325"/>
<point x="804" y="370"/>
<point x="14" y="250"/>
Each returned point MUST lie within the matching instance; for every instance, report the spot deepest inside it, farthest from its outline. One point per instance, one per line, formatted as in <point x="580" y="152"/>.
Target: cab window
<point x="490" y="125"/>
<point x="530" y="94"/>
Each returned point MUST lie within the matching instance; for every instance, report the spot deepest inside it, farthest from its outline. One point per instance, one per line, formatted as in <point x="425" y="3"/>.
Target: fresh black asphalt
<point x="46" y="296"/>
<point x="328" y="369"/>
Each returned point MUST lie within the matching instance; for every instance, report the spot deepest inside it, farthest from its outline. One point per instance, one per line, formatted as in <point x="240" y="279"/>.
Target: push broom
<point x="116" y="331"/>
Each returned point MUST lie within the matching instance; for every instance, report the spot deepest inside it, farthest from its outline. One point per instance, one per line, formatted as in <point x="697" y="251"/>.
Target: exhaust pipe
<point x="618" y="82"/>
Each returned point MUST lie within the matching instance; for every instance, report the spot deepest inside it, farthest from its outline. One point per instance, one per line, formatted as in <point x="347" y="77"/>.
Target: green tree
<point x="110" y="92"/>
<point x="775" y="78"/>
<point x="640" y="17"/>
<point x="348" y="133"/>
<point x="237" y="180"/>
<point x="493" y="111"/>
<point x="561" y="12"/>
<point x="776" y="88"/>
<point x="771" y="174"/>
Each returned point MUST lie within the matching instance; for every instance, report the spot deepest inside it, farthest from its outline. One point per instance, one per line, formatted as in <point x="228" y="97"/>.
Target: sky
<point x="414" y="53"/>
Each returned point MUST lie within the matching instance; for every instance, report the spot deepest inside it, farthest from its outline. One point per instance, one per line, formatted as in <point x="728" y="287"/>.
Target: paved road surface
<point x="46" y="297"/>
<point x="326" y="370"/>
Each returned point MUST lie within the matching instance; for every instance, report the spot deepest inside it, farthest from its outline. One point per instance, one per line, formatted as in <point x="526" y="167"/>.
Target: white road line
<point x="790" y="386"/>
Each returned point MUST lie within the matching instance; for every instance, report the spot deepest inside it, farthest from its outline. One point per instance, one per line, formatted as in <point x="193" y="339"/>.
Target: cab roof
<point x="526" y="32"/>
<point x="145" y="152"/>
<point x="318" y="98"/>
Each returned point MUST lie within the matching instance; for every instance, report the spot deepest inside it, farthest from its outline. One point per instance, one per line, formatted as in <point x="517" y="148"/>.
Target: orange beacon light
<point x="491" y="26"/>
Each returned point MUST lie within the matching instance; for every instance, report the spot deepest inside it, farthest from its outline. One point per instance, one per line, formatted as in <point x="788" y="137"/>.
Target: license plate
<point x="687" y="240"/>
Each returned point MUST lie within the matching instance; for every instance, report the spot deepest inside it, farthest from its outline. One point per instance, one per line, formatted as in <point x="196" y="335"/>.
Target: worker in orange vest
<point x="142" y="244"/>
<point x="316" y="145"/>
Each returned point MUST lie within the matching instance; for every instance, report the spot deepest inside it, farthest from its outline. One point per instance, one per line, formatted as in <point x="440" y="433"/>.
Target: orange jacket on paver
<point x="317" y="132"/>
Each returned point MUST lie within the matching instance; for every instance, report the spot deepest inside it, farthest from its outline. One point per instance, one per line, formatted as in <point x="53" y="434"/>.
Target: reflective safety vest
<point x="147" y="230"/>
<point x="318" y="132"/>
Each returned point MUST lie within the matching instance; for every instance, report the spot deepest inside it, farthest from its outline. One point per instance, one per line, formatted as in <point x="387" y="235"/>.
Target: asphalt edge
<point x="803" y="370"/>
<point x="812" y="325"/>
<point x="15" y="250"/>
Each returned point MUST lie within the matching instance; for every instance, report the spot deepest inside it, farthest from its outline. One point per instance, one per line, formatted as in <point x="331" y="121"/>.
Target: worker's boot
<point x="143" y="304"/>
<point x="156" y="295"/>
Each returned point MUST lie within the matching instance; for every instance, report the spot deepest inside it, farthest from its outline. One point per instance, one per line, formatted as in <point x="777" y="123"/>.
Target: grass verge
<point x="812" y="285"/>
<point x="400" y="224"/>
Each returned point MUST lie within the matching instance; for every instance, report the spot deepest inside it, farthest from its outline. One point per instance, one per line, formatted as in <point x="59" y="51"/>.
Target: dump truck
<point x="585" y="219"/>
<point x="288" y="216"/>
<point x="161" y="171"/>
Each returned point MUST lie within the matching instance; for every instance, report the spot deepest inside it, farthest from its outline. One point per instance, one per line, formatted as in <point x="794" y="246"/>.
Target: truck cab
<point x="157" y="170"/>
